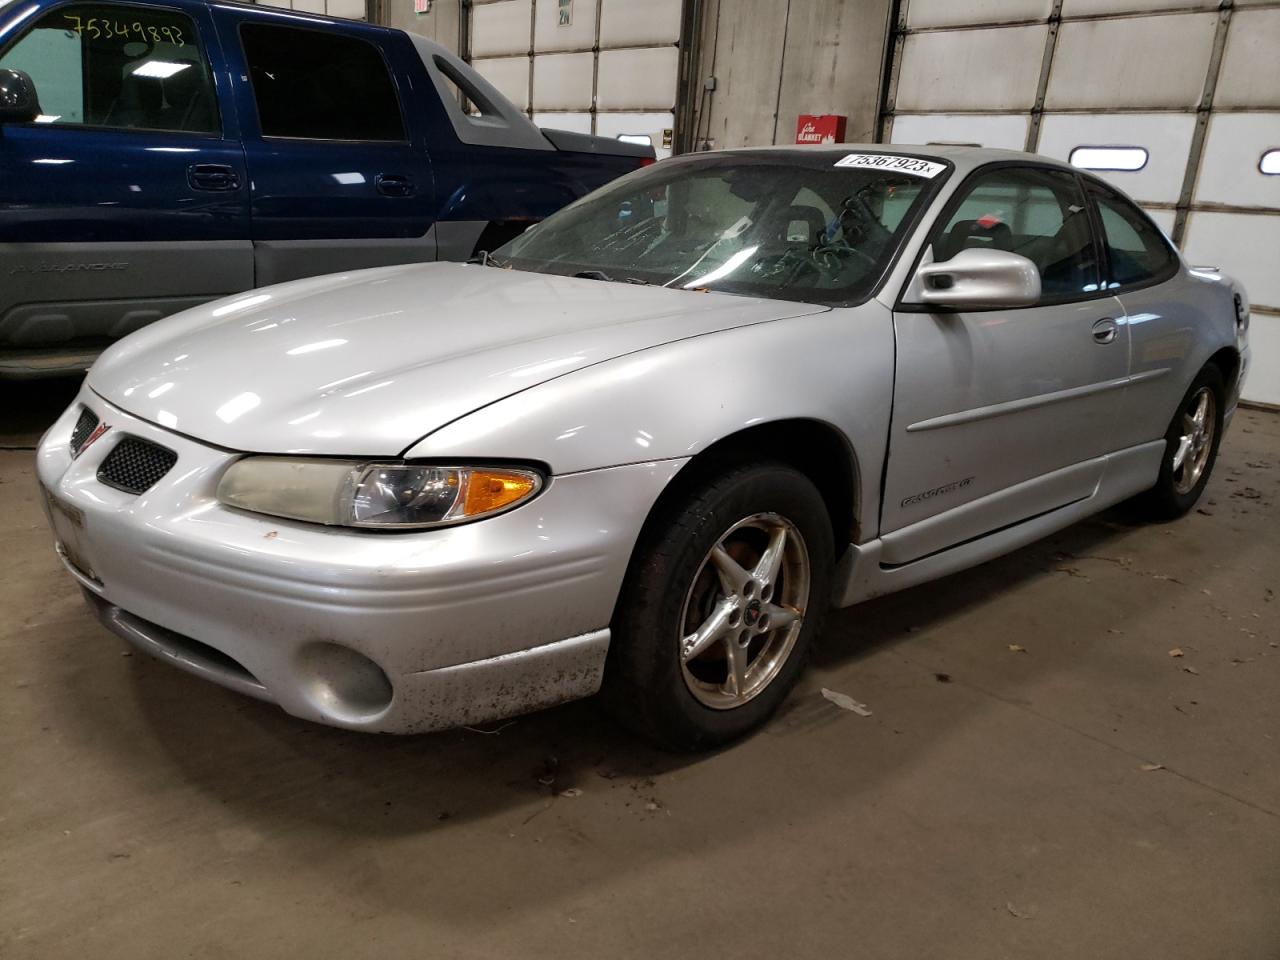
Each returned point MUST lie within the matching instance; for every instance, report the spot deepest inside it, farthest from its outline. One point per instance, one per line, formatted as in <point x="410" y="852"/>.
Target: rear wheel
<point x="721" y="602"/>
<point x="1191" y="449"/>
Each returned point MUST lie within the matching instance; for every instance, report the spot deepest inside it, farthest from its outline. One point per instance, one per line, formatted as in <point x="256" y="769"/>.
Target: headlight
<point x="386" y="496"/>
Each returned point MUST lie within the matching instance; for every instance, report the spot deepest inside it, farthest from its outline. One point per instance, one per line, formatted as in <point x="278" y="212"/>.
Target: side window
<point x="1136" y="249"/>
<point x="310" y="85"/>
<point x="130" y="68"/>
<point x="1040" y="214"/>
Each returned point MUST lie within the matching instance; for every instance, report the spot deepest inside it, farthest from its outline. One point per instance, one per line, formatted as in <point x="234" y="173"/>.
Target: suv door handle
<point x="1104" y="331"/>
<point x="394" y="185"/>
<point x="212" y="176"/>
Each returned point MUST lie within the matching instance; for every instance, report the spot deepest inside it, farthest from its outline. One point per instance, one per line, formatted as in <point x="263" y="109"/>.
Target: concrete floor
<point x="999" y="802"/>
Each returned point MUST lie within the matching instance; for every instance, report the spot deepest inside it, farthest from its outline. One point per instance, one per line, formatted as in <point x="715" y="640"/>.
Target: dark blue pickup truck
<point x="156" y="155"/>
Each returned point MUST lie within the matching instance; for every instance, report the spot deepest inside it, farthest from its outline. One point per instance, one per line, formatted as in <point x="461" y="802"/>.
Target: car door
<point x="1003" y="414"/>
<point x="338" y="180"/>
<point x="127" y="198"/>
<point x="1163" y="311"/>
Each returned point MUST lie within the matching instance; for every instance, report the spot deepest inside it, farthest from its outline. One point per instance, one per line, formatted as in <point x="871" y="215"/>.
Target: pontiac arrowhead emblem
<point x="98" y="431"/>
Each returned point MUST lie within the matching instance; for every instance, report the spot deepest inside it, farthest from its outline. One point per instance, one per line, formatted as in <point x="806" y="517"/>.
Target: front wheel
<point x="1191" y="449"/>
<point x="723" y="597"/>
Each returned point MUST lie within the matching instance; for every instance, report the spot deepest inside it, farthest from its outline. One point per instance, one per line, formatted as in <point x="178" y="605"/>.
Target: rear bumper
<point x="382" y="632"/>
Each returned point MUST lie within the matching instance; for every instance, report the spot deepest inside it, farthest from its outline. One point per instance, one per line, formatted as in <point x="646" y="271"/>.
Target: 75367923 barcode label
<point x="886" y="161"/>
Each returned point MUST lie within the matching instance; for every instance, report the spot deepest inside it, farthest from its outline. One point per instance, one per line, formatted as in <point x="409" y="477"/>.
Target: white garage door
<point x="608" y="67"/>
<point x="351" y="9"/>
<point x="1177" y="102"/>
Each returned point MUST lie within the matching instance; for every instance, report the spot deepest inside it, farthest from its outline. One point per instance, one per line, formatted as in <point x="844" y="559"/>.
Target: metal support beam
<point x="782" y="63"/>
<point x="1042" y="85"/>
<point x="1203" y="112"/>
<point x="464" y="30"/>
<point x="689" y="82"/>
<point x="895" y="40"/>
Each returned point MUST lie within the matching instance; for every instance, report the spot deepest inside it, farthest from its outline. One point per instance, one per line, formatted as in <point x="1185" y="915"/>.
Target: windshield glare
<point x="793" y="229"/>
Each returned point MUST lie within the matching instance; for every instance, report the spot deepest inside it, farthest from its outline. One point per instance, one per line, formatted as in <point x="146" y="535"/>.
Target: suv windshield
<point x="770" y="225"/>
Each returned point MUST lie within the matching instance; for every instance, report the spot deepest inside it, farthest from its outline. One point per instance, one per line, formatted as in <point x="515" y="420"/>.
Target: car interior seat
<point x="793" y="216"/>
<point x="182" y="101"/>
<point x="973" y="234"/>
<point x="1069" y="264"/>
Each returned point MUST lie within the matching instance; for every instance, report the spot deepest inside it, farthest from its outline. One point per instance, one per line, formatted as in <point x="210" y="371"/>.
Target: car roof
<point x="964" y="157"/>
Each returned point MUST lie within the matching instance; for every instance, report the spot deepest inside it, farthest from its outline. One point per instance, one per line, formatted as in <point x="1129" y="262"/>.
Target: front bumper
<point x="366" y="630"/>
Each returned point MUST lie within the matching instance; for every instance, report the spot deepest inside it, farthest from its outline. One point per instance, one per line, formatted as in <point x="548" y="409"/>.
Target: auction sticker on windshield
<point x="884" y="161"/>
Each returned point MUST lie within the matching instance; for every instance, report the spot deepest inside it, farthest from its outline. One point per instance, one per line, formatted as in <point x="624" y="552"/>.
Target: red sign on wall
<point x="827" y="128"/>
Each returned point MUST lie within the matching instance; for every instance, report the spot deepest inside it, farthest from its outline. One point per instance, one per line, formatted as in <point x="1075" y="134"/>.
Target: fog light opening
<point x="343" y="684"/>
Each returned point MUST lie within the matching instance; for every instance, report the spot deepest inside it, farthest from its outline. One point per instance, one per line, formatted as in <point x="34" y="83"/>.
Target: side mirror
<point x="18" y="100"/>
<point x="978" y="278"/>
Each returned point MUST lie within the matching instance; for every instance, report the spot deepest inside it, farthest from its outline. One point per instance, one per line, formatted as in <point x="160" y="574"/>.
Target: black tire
<point x="1165" y="501"/>
<point x="645" y="684"/>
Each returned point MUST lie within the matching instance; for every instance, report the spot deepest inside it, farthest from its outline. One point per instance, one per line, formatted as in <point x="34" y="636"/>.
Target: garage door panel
<point x="1165" y="137"/>
<point x="1087" y="8"/>
<point x="510" y="75"/>
<point x="1095" y="66"/>
<point x="548" y="35"/>
<point x="500" y="28"/>
<point x="1007" y="131"/>
<point x="649" y="125"/>
<point x="1163" y="217"/>
<point x="1242" y="244"/>
<point x="643" y="79"/>
<point x="627" y="23"/>
<point x="947" y="13"/>
<point x="956" y="69"/>
<point x="1250" y="74"/>
<point x="577" y="122"/>
<point x="1263" y="382"/>
<point x="562" y="81"/>
<point x="1229" y="169"/>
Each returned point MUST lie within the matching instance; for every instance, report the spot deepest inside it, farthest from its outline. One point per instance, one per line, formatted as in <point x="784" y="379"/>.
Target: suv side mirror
<point x="978" y="278"/>
<point x="18" y="100"/>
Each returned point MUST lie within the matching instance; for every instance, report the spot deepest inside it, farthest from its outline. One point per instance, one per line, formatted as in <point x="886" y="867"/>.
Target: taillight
<point x="648" y="161"/>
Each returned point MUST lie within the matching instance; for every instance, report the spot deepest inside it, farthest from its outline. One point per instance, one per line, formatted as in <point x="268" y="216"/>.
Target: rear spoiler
<point x="572" y="142"/>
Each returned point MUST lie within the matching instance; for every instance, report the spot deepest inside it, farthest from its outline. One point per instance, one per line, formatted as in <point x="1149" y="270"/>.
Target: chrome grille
<point x="134" y="465"/>
<point x="84" y="426"/>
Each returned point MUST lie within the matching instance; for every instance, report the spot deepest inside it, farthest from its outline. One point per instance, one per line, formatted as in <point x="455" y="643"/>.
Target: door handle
<point x="394" y="185"/>
<point x="212" y="176"/>
<point x="1104" y="331"/>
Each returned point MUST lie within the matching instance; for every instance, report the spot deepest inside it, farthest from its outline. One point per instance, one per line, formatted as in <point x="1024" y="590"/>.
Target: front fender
<point x="673" y="401"/>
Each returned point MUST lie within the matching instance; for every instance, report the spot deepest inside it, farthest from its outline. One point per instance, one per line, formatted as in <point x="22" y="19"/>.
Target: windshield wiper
<point x="487" y="259"/>
<point x="601" y="275"/>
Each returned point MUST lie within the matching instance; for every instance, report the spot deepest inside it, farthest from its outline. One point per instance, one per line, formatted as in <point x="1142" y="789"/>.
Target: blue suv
<point x="154" y="156"/>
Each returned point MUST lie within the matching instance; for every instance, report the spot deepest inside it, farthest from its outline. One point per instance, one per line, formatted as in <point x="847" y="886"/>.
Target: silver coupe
<point x="644" y="447"/>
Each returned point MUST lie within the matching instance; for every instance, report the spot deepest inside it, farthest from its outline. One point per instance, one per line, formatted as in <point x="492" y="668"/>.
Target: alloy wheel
<point x="744" y="610"/>
<point x="1195" y="445"/>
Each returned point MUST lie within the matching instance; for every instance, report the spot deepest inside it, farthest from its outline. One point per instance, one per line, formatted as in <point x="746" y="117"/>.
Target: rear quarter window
<point x="1137" y="251"/>
<point x="311" y="85"/>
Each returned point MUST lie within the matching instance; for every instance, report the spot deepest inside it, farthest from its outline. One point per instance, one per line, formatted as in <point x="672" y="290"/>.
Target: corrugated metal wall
<point x="609" y="67"/>
<point x="1194" y="83"/>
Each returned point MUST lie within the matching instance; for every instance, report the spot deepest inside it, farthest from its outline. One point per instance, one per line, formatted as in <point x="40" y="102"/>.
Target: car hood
<point x="366" y="363"/>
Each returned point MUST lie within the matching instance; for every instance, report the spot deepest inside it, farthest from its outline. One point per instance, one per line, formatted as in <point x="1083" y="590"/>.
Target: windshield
<point x="767" y="225"/>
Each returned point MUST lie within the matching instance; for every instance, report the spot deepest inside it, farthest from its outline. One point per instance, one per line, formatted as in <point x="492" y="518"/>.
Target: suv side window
<point x="1038" y="213"/>
<point x="120" y="67"/>
<point x="1137" y="251"/>
<point x="310" y="85"/>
